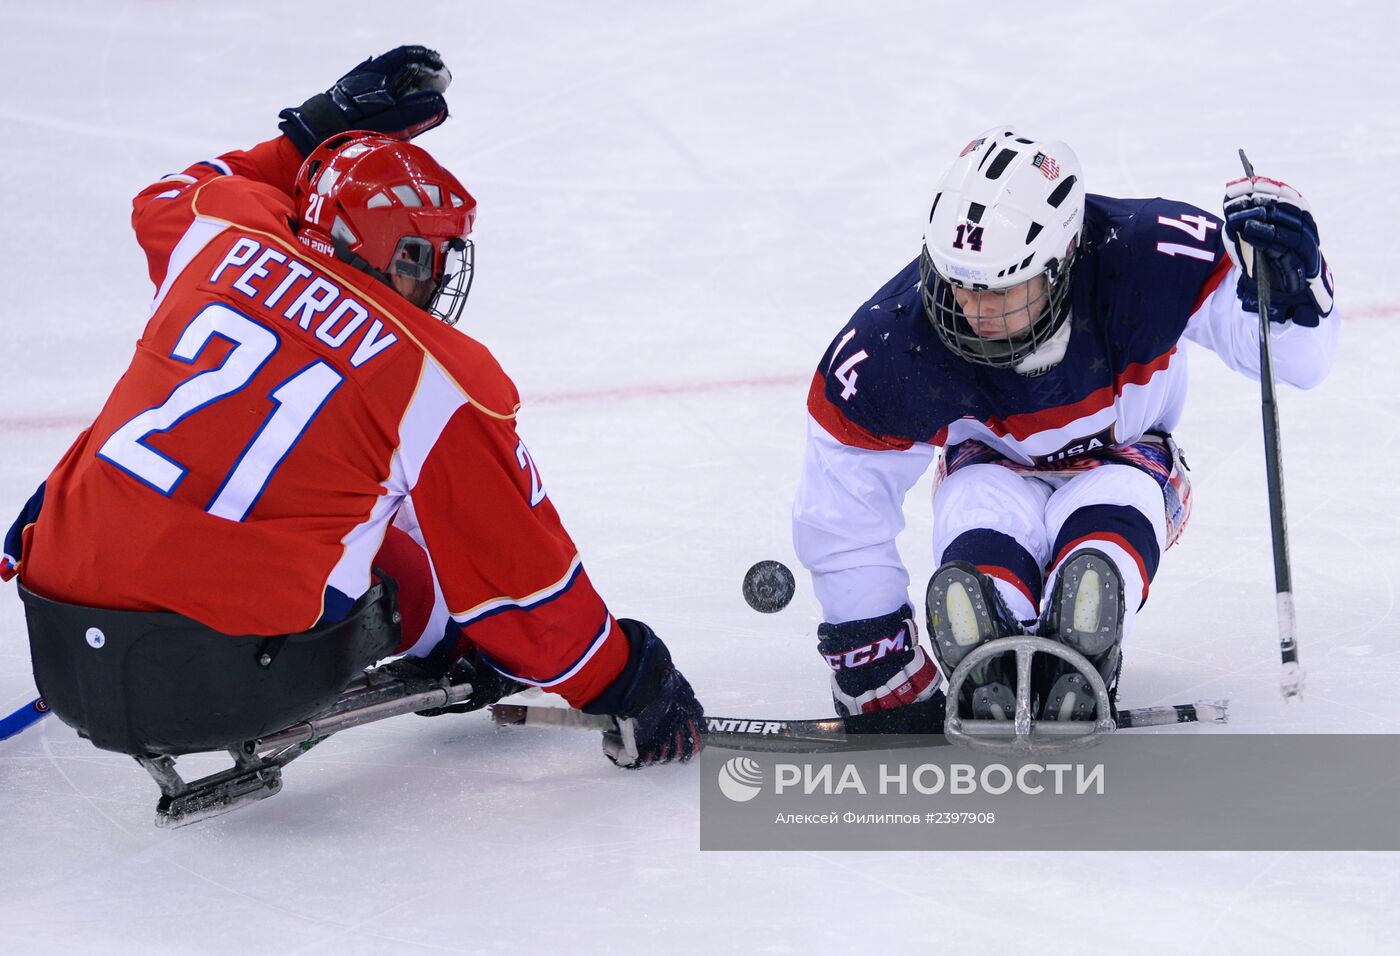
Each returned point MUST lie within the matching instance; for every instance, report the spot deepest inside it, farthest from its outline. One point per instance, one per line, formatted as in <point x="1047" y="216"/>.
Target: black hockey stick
<point x="1291" y="680"/>
<point x="918" y="725"/>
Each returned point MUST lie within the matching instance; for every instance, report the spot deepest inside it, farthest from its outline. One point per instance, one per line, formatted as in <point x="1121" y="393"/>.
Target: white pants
<point x="1117" y="509"/>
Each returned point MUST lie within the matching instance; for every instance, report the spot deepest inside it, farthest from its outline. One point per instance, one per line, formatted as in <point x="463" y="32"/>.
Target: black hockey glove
<point x="877" y="663"/>
<point x="398" y="93"/>
<point x="460" y="663"/>
<point x="1270" y="218"/>
<point x="658" y="718"/>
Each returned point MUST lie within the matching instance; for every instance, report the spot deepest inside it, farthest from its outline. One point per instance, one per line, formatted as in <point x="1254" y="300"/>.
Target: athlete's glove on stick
<point x="1268" y="221"/>
<point x="877" y="663"/>
<point x="658" y="718"/>
<point x="460" y="662"/>
<point x="398" y="93"/>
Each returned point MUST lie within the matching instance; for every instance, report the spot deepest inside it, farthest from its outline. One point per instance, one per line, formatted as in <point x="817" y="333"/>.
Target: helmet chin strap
<point x="1048" y="355"/>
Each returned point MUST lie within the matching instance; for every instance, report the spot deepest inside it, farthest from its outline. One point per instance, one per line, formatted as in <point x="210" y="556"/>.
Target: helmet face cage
<point x="1048" y="310"/>
<point x="1004" y="227"/>
<point x="455" y="282"/>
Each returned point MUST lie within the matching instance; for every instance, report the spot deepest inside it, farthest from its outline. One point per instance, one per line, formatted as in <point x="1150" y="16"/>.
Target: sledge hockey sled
<point x="158" y="685"/>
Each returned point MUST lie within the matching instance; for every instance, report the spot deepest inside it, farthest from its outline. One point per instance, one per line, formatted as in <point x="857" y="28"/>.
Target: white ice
<point x="680" y="204"/>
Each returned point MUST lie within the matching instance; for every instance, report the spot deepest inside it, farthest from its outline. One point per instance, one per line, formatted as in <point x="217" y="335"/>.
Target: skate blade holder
<point x="1022" y="734"/>
<point x="184" y="803"/>
<point x="257" y="770"/>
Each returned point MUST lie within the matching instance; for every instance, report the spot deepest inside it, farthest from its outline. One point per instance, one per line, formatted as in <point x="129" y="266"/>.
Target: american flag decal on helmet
<point x="972" y="145"/>
<point x="1046" y="165"/>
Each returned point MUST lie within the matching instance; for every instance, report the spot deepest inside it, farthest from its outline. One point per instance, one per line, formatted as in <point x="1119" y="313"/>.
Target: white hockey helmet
<point x="1009" y="209"/>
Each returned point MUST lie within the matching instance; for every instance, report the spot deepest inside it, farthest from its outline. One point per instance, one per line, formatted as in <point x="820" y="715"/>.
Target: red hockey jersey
<point x="281" y="409"/>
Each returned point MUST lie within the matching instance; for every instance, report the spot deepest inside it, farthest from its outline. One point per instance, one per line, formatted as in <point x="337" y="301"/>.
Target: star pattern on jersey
<point x="1098" y="365"/>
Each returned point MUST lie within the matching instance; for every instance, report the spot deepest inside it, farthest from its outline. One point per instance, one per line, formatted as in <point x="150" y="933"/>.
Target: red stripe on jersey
<point x="838" y="426"/>
<point x="1117" y="539"/>
<point x="1217" y="276"/>
<point x="1021" y="427"/>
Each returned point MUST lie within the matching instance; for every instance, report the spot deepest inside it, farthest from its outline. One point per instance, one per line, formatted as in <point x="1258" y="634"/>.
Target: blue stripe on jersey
<point x="554" y="592"/>
<point x="566" y="673"/>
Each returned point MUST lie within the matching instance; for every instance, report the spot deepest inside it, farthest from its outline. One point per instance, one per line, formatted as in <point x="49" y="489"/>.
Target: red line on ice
<point x="669" y="388"/>
<point x="617" y="392"/>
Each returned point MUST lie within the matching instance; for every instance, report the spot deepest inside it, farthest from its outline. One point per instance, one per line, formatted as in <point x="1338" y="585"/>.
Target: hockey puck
<point x="769" y="586"/>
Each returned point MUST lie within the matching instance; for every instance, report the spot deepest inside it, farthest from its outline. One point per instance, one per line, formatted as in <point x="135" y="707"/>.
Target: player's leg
<point x="994" y="519"/>
<point x="432" y="644"/>
<point x="1109" y="529"/>
<point x="420" y="602"/>
<point x="990" y="540"/>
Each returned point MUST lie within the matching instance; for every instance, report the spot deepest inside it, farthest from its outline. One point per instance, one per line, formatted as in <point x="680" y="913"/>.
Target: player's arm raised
<point x="399" y="93"/>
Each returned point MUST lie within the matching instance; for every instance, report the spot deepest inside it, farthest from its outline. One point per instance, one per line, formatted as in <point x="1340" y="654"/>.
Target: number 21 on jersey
<point x="297" y="401"/>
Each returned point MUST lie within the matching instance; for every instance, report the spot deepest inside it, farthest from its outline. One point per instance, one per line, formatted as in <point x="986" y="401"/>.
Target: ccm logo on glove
<point x="868" y="653"/>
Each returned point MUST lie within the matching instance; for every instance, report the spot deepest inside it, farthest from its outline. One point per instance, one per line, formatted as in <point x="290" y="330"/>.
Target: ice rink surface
<point x="680" y="204"/>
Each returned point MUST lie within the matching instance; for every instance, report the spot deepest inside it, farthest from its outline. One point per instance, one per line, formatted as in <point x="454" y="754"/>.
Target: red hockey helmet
<point x="389" y="209"/>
